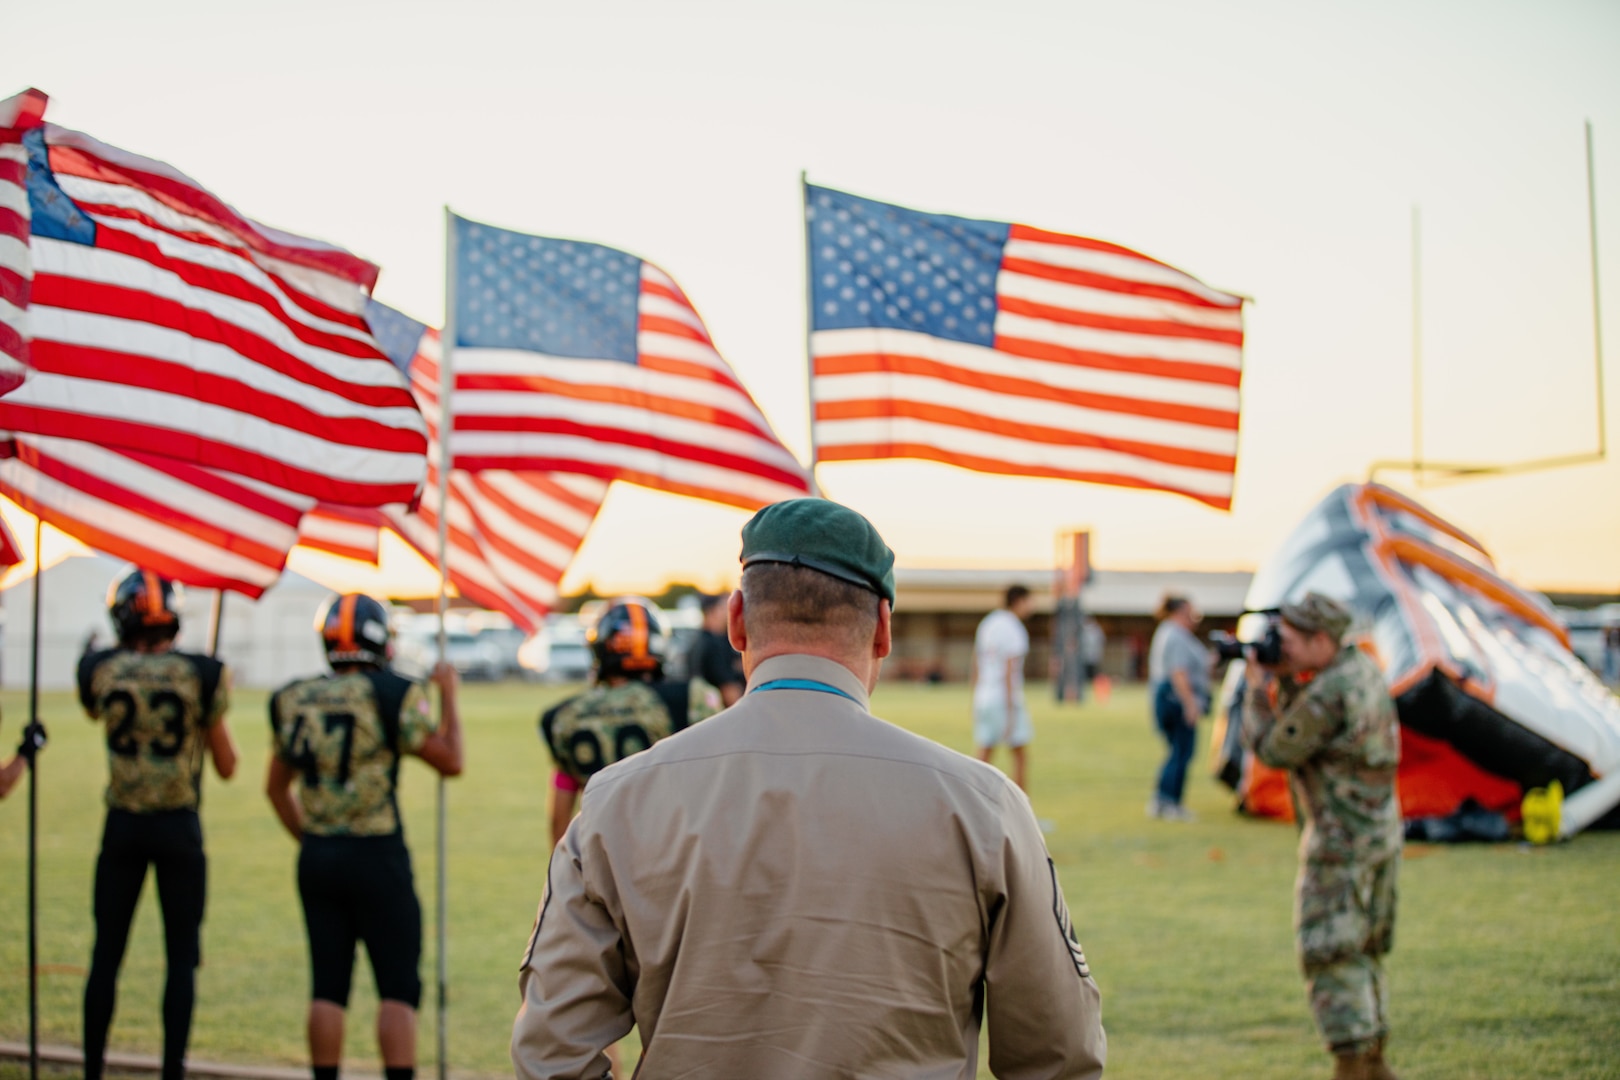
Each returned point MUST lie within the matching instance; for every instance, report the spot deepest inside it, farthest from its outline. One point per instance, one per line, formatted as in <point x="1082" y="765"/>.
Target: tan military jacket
<point x="795" y="888"/>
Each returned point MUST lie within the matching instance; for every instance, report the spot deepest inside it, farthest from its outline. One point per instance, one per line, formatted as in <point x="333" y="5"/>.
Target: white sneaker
<point x="1155" y="807"/>
<point x="1176" y="812"/>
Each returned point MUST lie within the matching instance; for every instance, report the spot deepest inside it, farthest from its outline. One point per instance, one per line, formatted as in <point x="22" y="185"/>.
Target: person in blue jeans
<point x="1178" y="686"/>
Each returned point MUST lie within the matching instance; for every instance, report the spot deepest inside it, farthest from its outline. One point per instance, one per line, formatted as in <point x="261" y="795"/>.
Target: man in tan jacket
<point x="795" y="888"/>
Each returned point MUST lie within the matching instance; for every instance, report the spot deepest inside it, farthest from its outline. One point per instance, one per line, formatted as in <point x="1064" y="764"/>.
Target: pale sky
<point x="1271" y="149"/>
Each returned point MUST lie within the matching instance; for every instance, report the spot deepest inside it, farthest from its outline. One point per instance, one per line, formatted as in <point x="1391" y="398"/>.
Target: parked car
<point x="557" y="653"/>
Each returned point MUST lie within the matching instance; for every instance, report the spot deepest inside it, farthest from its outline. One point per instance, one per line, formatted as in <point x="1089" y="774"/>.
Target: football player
<point x="630" y="707"/>
<point x="163" y="711"/>
<point x="341" y="737"/>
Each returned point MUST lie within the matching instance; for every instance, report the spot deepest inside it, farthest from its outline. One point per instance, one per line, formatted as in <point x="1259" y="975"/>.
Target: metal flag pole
<point x="809" y="322"/>
<point x="447" y="345"/>
<point x="215" y="622"/>
<point x="33" y="819"/>
<point x="1597" y="293"/>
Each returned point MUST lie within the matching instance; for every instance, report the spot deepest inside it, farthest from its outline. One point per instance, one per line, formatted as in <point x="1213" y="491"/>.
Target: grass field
<point x="1507" y="960"/>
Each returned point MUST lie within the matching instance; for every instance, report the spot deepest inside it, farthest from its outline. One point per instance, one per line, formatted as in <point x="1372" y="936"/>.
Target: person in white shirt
<point x="1000" y="716"/>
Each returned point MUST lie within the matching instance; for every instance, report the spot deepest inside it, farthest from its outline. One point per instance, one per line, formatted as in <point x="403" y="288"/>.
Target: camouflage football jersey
<point x="157" y="708"/>
<point x="345" y="734"/>
<point x="591" y="731"/>
<point x="1338" y="737"/>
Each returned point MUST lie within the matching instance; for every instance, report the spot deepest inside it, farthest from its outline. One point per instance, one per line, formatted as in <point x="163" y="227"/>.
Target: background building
<point x="937" y="611"/>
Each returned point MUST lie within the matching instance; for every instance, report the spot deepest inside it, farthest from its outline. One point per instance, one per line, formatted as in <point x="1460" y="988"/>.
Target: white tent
<point x="266" y="642"/>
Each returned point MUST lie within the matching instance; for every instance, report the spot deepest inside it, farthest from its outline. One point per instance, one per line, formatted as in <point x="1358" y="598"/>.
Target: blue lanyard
<point x="815" y="685"/>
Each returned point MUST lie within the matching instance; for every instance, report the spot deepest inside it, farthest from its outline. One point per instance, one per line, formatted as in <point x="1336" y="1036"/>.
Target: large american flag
<point x="18" y="116"/>
<point x="1009" y="349"/>
<point x="511" y="535"/>
<point x="574" y="357"/>
<point x="162" y="322"/>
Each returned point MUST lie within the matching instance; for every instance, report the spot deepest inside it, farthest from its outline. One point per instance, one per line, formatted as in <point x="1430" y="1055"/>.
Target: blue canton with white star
<point x="877" y="265"/>
<point x="558" y="297"/>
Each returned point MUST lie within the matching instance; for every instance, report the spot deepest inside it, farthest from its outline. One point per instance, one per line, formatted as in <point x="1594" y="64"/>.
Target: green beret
<point x="824" y="536"/>
<point x="1314" y="612"/>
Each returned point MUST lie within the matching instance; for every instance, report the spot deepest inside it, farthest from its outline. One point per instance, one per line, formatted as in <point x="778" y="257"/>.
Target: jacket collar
<point x="817" y="668"/>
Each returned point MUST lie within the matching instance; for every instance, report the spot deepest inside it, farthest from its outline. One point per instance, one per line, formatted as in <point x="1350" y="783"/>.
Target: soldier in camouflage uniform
<point x="163" y="710"/>
<point x="631" y="706"/>
<point x="1324" y="714"/>
<point x="342" y="737"/>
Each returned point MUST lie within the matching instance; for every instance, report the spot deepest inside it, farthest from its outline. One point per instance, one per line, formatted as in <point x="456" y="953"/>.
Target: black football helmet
<point x="144" y="605"/>
<point x="354" y="630"/>
<point x="629" y="640"/>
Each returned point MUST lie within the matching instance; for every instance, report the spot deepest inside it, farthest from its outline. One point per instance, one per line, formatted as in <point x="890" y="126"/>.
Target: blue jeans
<point x="1182" y="737"/>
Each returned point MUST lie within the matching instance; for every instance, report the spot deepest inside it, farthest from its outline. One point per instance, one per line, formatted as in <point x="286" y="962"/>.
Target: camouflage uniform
<point x="1338" y="737"/>
<point x="157" y="708"/>
<point x="345" y="734"/>
<point x="590" y="731"/>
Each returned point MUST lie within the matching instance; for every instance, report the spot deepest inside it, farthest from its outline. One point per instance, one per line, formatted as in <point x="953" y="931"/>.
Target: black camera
<point x="1267" y="649"/>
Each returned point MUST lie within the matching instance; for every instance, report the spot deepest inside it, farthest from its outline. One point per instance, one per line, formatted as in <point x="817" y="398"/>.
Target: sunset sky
<point x="1272" y="149"/>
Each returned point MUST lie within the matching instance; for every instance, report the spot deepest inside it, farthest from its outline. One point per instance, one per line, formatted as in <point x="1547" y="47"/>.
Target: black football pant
<point x="171" y="842"/>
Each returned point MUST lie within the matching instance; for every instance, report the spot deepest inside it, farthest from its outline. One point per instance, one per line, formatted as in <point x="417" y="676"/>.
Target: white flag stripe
<point x="1017" y="409"/>
<point x="963" y="441"/>
<point x="217" y="423"/>
<point x="13" y="197"/>
<point x="1117" y="343"/>
<point x="335" y="531"/>
<point x="663" y="307"/>
<point x="1120" y="305"/>
<point x="631" y="419"/>
<point x="94" y="331"/>
<point x="1122" y="267"/>
<point x="150" y="533"/>
<point x="675" y="347"/>
<point x="574" y="448"/>
<point x="11" y="314"/>
<point x="863" y="341"/>
<point x="584" y="487"/>
<point x="165" y="489"/>
<point x="14" y="256"/>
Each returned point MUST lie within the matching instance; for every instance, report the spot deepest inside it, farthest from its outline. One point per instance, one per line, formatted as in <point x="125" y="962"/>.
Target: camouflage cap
<point x="1314" y="613"/>
<point x="821" y="535"/>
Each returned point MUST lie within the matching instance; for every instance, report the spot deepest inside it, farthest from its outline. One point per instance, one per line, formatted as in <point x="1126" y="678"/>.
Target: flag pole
<point x="30" y="738"/>
<point x="1597" y="293"/>
<point x="1417" y="344"/>
<point x="216" y="621"/>
<point x="809" y="322"/>
<point x="447" y="345"/>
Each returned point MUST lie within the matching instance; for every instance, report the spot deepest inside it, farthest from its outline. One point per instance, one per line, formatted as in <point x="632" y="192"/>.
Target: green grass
<point x="1507" y="960"/>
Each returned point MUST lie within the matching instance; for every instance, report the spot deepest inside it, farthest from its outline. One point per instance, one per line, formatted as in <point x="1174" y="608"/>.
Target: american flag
<point x="163" y="322"/>
<point x="1010" y="349"/>
<point x="512" y="534"/>
<point x="578" y="358"/>
<point x="18" y="116"/>
<point x="186" y="522"/>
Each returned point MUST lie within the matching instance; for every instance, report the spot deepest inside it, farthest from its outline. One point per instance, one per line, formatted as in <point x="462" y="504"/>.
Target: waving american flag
<point x="578" y="358"/>
<point x="1010" y="349"/>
